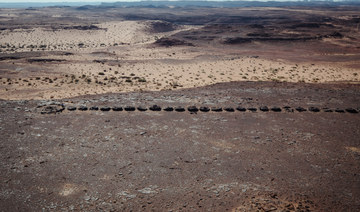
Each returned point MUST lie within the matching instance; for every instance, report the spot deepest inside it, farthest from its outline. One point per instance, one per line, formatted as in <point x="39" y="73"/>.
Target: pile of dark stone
<point x="51" y="108"/>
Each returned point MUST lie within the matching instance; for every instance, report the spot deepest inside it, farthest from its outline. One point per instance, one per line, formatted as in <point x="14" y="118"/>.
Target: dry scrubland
<point x="58" y="56"/>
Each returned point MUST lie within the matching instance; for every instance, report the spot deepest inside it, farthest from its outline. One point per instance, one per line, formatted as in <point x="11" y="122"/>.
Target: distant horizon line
<point x="106" y="1"/>
<point x="73" y="3"/>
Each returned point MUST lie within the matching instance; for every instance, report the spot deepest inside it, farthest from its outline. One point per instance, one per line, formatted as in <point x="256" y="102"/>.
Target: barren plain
<point x="180" y="109"/>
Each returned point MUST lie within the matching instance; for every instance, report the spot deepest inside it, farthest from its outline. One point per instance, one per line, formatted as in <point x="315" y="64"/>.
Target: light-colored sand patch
<point x="105" y="177"/>
<point x="172" y="72"/>
<point x="353" y="149"/>
<point x="109" y="34"/>
<point x="68" y="189"/>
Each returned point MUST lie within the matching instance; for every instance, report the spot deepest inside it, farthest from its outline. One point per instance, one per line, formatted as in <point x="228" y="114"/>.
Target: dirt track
<point x="182" y="161"/>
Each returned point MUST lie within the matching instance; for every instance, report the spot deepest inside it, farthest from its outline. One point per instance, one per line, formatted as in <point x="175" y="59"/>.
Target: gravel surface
<point x="93" y="160"/>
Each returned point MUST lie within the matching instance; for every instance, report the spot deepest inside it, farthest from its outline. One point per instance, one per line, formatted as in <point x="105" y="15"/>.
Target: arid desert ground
<point x="180" y="108"/>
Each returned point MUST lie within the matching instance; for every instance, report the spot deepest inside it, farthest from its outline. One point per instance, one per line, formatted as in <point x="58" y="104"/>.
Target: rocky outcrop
<point x="167" y="42"/>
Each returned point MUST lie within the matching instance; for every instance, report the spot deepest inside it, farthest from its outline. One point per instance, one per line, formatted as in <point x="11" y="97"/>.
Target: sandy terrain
<point x="91" y="57"/>
<point x="105" y="34"/>
<point x="181" y="70"/>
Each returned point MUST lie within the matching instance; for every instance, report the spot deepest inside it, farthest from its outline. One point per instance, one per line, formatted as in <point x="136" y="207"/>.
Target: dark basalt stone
<point x="276" y="109"/>
<point x="327" y="110"/>
<point x="216" y="109"/>
<point x="338" y="110"/>
<point x="155" y="108"/>
<point x="59" y="110"/>
<point x="300" y="109"/>
<point x="204" y="109"/>
<point x="129" y="108"/>
<point x="105" y="108"/>
<point x="179" y="109"/>
<point x="47" y="112"/>
<point x="115" y="108"/>
<point x="288" y="109"/>
<point x="193" y="109"/>
<point x="314" y="109"/>
<point x="264" y="108"/>
<point x="140" y="108"/>
<point x="94" y="108"/>
<point x="83" y="108"/>
<point x="169" y="109"/>
<point x="52" y="109"/>
<point x="71" y="108"/>
<point x="242" y="109"/>
<point x="351" y="110"/>
<point x="252" y="109"/>
<point x="229" y="109"/>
